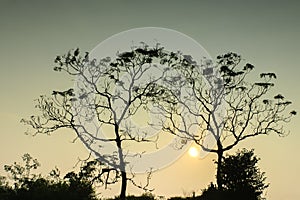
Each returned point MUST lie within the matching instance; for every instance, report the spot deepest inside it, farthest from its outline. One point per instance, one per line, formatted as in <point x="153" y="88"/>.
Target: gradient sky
<point x="32" y="33"/>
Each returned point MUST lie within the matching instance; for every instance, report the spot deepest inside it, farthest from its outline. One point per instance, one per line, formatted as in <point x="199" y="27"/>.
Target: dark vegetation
<point x="22" y="184"/>
<point x="241" y="176"/>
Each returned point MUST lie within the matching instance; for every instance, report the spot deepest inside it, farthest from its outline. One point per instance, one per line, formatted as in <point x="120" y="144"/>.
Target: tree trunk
<point x="122" y="166"/>
<point x="219" y="163"/>
<point x="124" y="185"/>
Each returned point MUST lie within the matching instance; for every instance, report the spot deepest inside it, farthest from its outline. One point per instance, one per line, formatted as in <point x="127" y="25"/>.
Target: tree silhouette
<point x="106" y="95"/>
<point x="241" y="175"/>
<point x="220" y="104"/>
<point x="201" y="102"/>
<point x="241" y="178"/>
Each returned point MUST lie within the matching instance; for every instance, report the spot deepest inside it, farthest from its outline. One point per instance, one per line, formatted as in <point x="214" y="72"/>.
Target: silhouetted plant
<point x="5" y="190"/>
<point x="241" y="175"/>
<point x="26" y="185"/>
<point x="108" y="91"/>
<point x="145" y="196"/>
<point x="212" y="193"/>
<point x="22" y="174"/>
<point x="222" y="104"/>
<point x="241" y="179"/>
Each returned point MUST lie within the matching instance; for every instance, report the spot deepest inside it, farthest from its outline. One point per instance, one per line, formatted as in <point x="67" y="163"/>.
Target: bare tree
<point x="217" y="106"/>
<point x="107" y="93"/>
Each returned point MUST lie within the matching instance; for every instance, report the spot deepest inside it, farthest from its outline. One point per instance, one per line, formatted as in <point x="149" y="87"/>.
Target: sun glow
<point x="193" y="152"/>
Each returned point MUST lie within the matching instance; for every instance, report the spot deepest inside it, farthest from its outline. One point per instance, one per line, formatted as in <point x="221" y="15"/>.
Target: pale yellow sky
<point x="32" y="33"/>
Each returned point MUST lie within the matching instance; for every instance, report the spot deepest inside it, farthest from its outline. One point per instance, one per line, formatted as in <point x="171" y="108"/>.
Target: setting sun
<point x="193" y="152"/>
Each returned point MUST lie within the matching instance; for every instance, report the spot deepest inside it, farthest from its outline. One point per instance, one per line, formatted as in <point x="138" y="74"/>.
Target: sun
<point x="193" y="152"/>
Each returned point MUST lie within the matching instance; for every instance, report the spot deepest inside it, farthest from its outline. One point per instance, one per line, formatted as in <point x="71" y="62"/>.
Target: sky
<point x="32" y="33"/>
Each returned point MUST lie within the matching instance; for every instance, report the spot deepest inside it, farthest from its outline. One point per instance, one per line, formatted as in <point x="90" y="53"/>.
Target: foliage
<point x="22" y="174"/>
<point x="241" y="178"/>
<point x="212" y="193"/>
<point x="145" y="196"/>
<point x="241" y="174"/>
<point x="27" y="185"/>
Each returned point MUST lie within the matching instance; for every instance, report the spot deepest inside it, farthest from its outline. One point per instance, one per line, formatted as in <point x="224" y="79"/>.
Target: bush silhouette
<point x="26" y="185"/>
<point x="241" y="179"/>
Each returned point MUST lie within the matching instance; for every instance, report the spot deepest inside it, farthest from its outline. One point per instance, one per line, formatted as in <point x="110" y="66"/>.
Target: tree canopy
<point x="222" y="105"/>
<point x="107" y="93"/>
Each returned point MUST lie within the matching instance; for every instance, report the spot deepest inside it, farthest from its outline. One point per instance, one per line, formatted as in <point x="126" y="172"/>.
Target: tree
<point x="241" y="178"/>
<point x="220" y="104"/>
<point x="199" y="102"/>
<point x="107" y="93"/>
